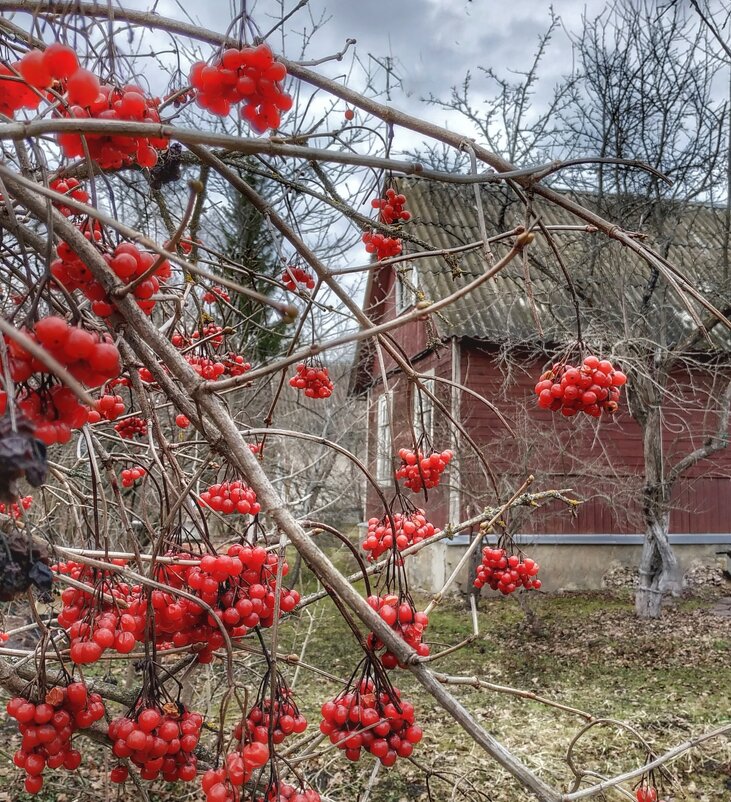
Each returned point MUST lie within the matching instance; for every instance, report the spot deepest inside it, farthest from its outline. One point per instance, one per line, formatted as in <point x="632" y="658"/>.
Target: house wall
<point x="599" y="462"/>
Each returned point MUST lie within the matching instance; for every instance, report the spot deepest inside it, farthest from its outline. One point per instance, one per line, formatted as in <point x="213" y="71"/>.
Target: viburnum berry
<point x="223" y="784"/>
<point x="505" y="572"/>
<point x="392" y="207"/>
<point x="72" y="188"/>
<point x="87" y="98"/>
<point x="297" y="278"/>
<point x="126" y="261"/>
<point x="215" y="294"/>
<point x="181" y="421"/>
<point x="401" y="615"/>
<point x="646" y="793"/>
<point x="591" y="388"/>
<point x="313" y="379"/>
<point x="411" y="528"/>
<point x="249" y="76"/>
<point x="231" y="497"/>
<point x="131" y="475"/>
<point x="159" y="740"/>
<point x="382" y="246"/>
<point x="349" y="114"/>
<point x="110" y="407"/>
<point x="14" y="509"/>
<point x="47" y="727"/>
<point x="128" y="428"/>
<point x="366" y="719"/>
<point x="274" y="715"/>
<point x="211" y="332"/>
<point x="422" y="471"/>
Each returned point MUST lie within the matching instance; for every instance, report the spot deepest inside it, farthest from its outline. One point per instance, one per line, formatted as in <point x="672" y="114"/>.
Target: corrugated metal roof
<point x="610" y="279"/>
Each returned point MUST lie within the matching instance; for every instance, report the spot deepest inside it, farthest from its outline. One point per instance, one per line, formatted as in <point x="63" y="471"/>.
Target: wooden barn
<point x="482" y="356"/>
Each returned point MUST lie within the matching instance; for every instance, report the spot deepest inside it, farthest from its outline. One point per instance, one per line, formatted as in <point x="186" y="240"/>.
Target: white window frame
<point x="383" y="439"/>
<point x="427" y="407"/>
<point x="405" y="296"/>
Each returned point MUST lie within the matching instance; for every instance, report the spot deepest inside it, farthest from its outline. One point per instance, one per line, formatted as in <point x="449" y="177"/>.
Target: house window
<point x="423" y="407"/>
<point x="383" y="438"/>
<point x="406" y="287"/>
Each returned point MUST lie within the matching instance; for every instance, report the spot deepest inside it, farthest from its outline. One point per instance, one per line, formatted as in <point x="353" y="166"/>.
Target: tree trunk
<point x="659" y="570"/>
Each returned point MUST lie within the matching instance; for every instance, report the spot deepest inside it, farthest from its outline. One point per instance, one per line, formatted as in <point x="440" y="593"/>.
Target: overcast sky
<point x="433" y="42"/>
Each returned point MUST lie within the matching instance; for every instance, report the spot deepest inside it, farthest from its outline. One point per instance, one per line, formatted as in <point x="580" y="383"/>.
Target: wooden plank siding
<point x="600" y="460"/>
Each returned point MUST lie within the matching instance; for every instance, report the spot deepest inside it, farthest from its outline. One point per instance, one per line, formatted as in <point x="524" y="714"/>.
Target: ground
<point x="669" y="679"/>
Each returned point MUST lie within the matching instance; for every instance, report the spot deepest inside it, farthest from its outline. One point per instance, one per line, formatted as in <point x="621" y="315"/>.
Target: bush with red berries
<point x="419" y="470"/>
<point x="249" y="76"/>
<point x="47" y="727"/>
<point x="506" y="572"/>
<point x="14" y="509"/>
<point x="592" y="388"/>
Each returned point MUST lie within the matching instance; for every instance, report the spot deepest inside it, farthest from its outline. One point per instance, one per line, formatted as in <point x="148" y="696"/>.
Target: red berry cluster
<point x="88" y="99"/>
<point x="215" y="294"/>
<point x="279" y="716"/>
<point x="48" y="727"/>
<point x="38" y="71"/>
<point x="404" y="619"/>
<point x="131" y="475"/>
<point x="71" y="187"/>
<point x="108" y="407"/>
<point x="14" y="509"/>
<point x="506" y="573"/>
<point x="159" y="741"/>
<point x="126" y="261"/>
<point x="410" y="529"/>
<point x="224" y="784"/>
<point x="231" y="497"/>
<point x="421" y="470"/>
<point x="382" y="246"/>
<point x="392" y="207"/>
<point x="211" y="332"/>
<point x="128" y="428"/>
<point x="250" y="76"/>
<point x="90" y="358"/>
<point x="283" y="792"/>
<point x="591" y="388"/>
<point x="241" y="587"/>
<point x="52" y="411"/>
<point x="314" y="379"/>
<point x="297" y="278"/>
<point x="646" y="793"/>
<point x="390" y="734"/>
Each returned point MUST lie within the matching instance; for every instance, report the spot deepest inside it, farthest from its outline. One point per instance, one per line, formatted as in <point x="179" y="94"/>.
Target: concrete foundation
<point x="569" y="562"/>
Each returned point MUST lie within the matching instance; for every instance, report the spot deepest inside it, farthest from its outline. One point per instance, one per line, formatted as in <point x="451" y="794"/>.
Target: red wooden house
<point x="482" y="356"/>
